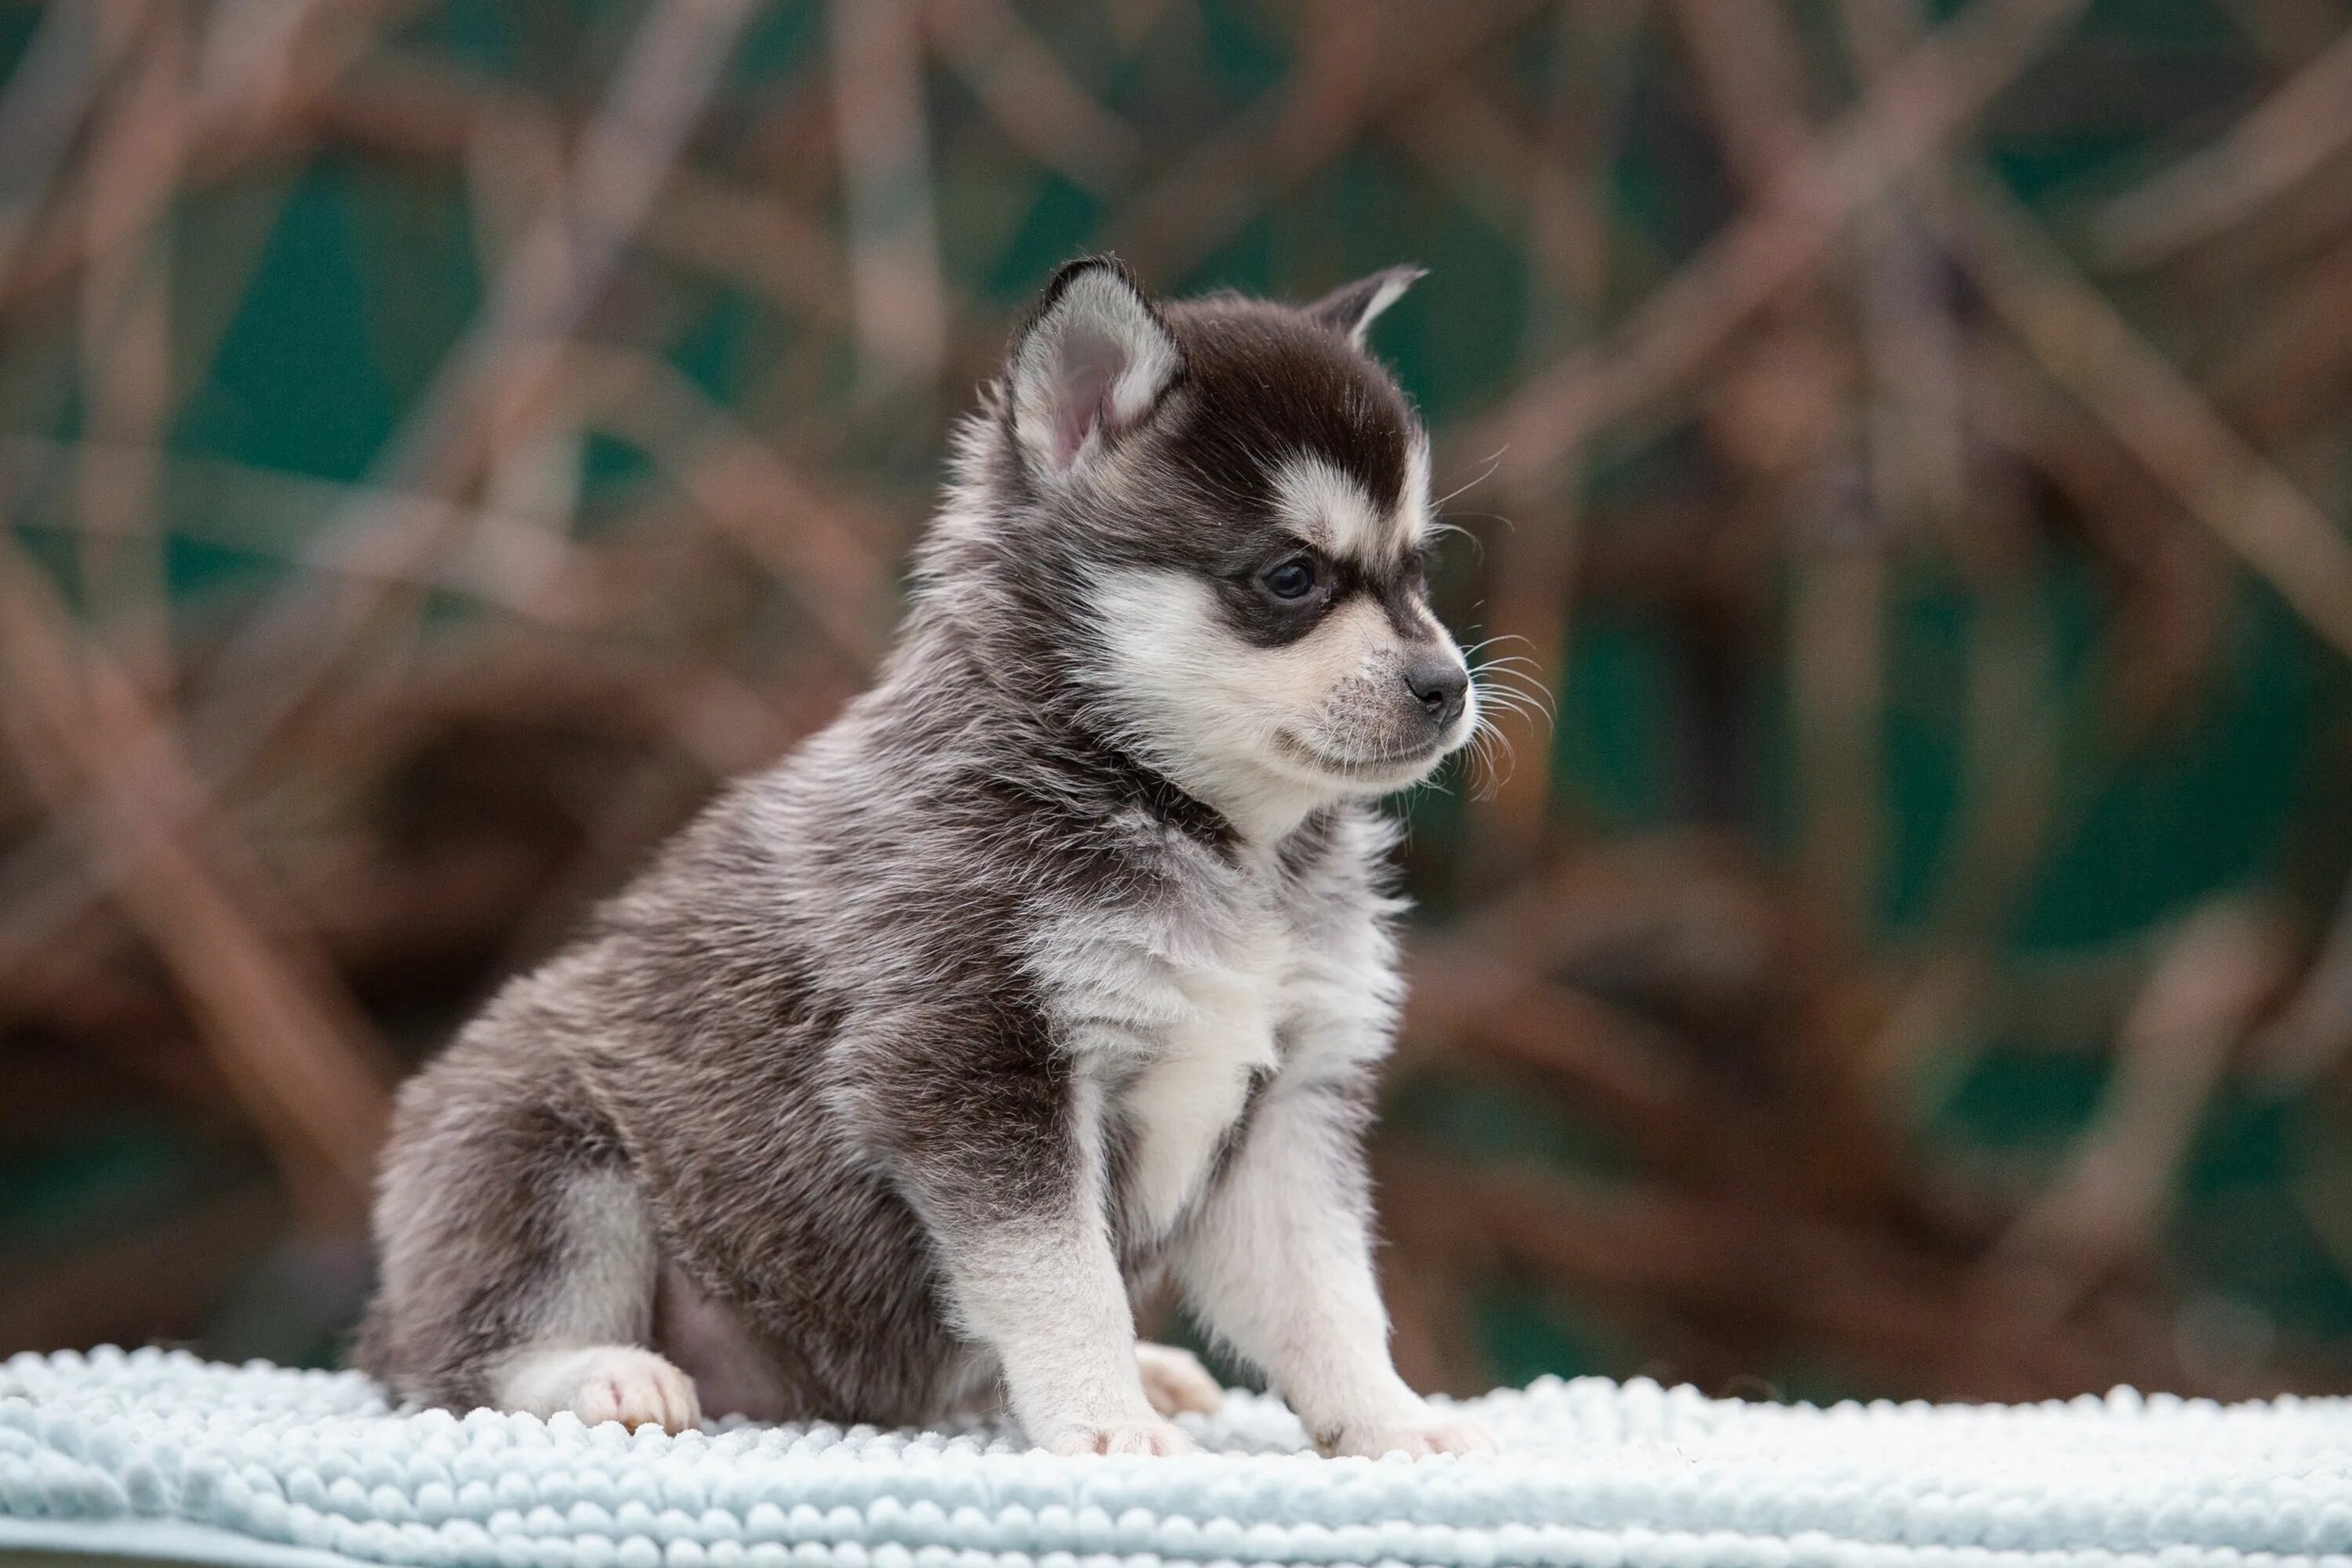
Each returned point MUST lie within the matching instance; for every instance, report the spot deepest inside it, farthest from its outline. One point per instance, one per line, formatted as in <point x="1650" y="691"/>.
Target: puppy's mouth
<point x="1386" y="768"/>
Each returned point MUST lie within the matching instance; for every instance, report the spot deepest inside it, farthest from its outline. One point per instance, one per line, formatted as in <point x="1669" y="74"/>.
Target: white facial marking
<point x="1264" y="734"/>
<point x="1330" y="509"/>
<point x="1414" y="519"/>
<point x="1225" y="718"/>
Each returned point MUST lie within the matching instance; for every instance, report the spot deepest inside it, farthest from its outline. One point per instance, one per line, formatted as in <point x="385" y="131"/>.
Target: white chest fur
<point x="1179" y="1108"/>
<point x="1174" y="1021"/>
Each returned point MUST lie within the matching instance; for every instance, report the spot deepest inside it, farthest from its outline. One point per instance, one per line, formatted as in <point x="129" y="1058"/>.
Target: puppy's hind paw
<point x="1175" y="1381"/>
<point x="1142" y="1435"/>
<point x="603" y="1383"/>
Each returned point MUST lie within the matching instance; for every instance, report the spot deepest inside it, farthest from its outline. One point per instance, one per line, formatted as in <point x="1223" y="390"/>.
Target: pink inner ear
<point x="1089" y="365"/>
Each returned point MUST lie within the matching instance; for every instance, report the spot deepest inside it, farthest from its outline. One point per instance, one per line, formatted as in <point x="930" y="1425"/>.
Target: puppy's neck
<point x="1264" y="809"/>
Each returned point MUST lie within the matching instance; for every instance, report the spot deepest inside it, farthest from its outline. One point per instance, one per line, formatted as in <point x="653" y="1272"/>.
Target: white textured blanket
<point x="157" y="1454"/>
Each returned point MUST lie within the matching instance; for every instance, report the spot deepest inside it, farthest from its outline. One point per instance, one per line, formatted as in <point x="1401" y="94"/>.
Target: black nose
<point x="1439" y="685"/>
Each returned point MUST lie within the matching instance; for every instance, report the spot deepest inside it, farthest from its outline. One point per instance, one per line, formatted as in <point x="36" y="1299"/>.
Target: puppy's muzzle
<point x="1440" y="685"/>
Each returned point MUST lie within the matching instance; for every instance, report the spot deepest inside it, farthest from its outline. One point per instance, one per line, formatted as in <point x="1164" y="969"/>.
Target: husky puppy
<point x="1057" y="970"/>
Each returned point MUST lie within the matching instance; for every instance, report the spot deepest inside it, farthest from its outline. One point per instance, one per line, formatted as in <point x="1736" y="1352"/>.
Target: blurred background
<point x="1903" y="446"/>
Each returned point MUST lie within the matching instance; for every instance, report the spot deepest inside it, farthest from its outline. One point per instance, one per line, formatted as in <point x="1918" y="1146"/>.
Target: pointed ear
<point x="1352" y="308"/>
<point x="1092" y="363"/>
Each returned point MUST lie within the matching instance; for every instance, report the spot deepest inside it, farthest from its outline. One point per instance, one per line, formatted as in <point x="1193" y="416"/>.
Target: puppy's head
<point x="1219" y="512"/>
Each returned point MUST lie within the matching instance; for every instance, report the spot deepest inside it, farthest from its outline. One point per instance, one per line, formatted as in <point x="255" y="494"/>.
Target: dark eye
<point x="1294" y="579"/>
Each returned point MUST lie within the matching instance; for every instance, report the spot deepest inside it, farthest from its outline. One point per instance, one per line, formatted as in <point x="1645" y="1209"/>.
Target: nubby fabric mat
<point x="157" y="1454"/>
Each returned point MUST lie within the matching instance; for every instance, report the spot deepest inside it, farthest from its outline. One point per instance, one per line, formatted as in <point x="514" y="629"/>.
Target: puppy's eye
<point x="1294" y="579"/>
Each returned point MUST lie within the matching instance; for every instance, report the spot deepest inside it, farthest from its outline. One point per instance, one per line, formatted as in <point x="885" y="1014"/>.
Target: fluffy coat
<point x="1057" y="969"/>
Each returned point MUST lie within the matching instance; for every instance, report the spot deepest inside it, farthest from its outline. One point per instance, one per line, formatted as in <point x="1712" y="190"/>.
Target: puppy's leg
<point x="582" y="1350"/>
<point x="1004" y="1164"/>
<point x="1277" y="1262"/>
<point x="519" y="1262"/>
<point x="1046" y="1294"/>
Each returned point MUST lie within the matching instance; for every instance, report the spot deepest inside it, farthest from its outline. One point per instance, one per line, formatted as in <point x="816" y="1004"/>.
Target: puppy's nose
<point x="1439" y="685"/>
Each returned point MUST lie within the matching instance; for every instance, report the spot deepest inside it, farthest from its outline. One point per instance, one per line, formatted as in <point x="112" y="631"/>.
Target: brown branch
<point x="506" y="360"/>
<point x="131" y="1289"/>
<point x="897" y="296"/>
<point x="1750" y="68"/>
<point x="2084" y="344"/>
<point x="48" y="96"/>
<point x="407" y="106"/>
<point x="2294" y="365"/>
<point x="1917" y="107"/>
<point x="1354" y="72"/>
<point x="1751" y="73"/>
<point x="296" y="1050"/>
<point x="1740" y="1280"/>
<point x="278" y="61"/>
<point x="2313" y="1031"/>
<point x="1039" y="105"/>
<point x="1535" y="572"/>
<point x="2287" y="136"/>
<point x="821" y="547"/>
<point x="2218" y="969"/>
<point x="2173" y="578"/>
<point x="513" y="562"/>
<point x="140" y="145"/>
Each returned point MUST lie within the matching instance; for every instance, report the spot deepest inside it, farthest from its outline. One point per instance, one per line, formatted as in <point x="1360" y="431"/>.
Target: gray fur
<point x="1026" y="985"/>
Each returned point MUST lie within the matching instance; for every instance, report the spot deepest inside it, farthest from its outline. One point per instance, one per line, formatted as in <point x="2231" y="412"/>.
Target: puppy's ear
<point x="1352" y="308"/>
<point x="1091" y="364"/>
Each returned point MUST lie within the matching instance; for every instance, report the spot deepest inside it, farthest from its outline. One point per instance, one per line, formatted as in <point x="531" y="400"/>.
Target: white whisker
<point x="1483" y="475"/>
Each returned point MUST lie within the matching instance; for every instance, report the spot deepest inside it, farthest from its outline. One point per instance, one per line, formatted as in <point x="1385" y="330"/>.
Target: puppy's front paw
<point x="1129" y="1435"/>
<point x="1417" y="1433"/>
<point x="603" y="1383"/>
<point x="1175" y="1381"/>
